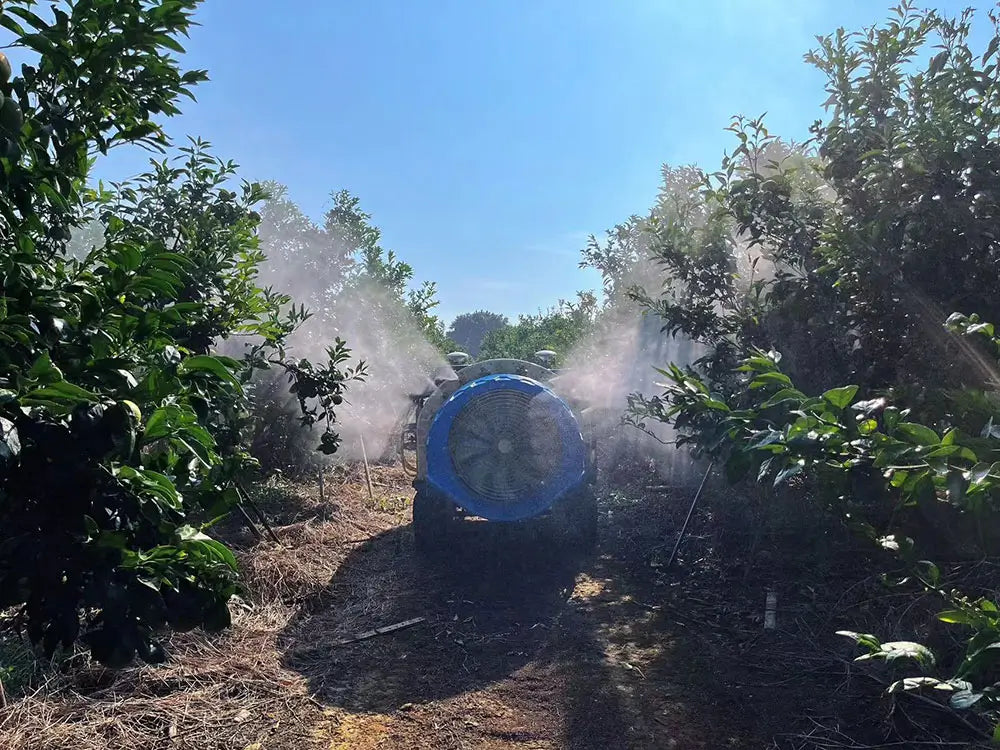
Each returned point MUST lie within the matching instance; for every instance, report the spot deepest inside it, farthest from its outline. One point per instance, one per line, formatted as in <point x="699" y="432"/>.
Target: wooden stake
<point x="246" y="501"/>
<point x="770" y="607"/>
<point x="322" y="493"/>
<point x="368" y="472"/>
<point x="381" y="631"/>
<point x="249" y="522"/>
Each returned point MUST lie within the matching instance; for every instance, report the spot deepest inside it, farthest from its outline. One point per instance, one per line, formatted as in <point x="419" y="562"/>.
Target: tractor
<point x="494" y="442"/>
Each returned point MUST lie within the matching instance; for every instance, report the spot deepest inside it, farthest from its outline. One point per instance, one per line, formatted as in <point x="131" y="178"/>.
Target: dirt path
<point x="520" y="645"/>
<point x="519" y="650"/>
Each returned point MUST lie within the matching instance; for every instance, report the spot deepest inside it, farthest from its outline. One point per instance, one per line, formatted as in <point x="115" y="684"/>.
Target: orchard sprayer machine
<point x="494" y="442"/>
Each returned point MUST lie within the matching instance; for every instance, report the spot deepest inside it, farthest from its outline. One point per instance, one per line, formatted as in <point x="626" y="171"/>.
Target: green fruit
<point x="4" y="68"/>
<point x="9" y="149"/>
<point x="11" y="118"/>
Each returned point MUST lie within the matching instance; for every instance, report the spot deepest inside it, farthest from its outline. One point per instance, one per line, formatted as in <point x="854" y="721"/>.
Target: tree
<point x="837" y="249"/>
<point x="858" y="249"/>
<point x="468" y="330"/>
<point x="559" y="330"/>
<point x="363" y="292"/>
<point x="121" y="432"/>
<point x="329" y="266"/>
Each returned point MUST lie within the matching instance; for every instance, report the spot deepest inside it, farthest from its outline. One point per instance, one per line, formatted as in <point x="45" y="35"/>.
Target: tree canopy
<point x="558" y="330"/>
<point x="469" y="330"/>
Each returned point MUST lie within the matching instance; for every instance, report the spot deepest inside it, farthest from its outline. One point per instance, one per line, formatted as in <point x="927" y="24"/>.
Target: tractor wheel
<point x="579" y="520"/>
<point x="433" y="518"/>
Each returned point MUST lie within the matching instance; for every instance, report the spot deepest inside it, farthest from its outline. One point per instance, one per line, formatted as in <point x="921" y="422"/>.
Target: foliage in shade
<point x="847" y="255"/>
<point x="121" y="432"/>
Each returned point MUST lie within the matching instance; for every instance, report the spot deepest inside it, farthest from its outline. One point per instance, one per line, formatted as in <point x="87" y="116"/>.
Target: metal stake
<point x="680" y="537"/>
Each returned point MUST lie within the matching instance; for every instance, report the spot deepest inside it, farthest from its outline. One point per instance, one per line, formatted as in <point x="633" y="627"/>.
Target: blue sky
<point x="488" y="138"/>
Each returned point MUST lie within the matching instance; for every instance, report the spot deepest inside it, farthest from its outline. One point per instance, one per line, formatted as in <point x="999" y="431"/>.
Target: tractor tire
<point x="433" y="521"/>
<point x="578" y="520"/>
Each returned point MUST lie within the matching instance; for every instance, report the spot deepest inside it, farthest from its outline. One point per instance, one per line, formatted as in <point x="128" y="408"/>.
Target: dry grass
<point x="520" y="648"/>
<point x="231" y="690"/>
<point x="228" y="692"/>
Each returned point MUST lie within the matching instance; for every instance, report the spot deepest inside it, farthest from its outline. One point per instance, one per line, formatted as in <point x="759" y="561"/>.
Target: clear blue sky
<point x="488" y="138"/>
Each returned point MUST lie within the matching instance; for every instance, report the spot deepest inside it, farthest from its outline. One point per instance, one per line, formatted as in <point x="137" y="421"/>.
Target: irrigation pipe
<point x="697" y="495"/>
<point x="368" y="471"/>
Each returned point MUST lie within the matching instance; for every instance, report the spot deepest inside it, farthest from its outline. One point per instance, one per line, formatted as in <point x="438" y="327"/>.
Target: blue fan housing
<point x="505" y="448"/>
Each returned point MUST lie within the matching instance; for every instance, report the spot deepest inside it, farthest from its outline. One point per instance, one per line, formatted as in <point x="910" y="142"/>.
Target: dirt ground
<point x="518" y="645"/>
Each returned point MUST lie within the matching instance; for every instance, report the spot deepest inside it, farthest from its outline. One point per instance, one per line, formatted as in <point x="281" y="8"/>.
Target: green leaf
<point x="915" y="683"/>
<point x="26" y="15"/>
<point x="937" y="63"/>
<point x="918" y="433"/>
<point x="208" y="363"/>
<point x="758" y="364"/>
<point x="770" y="378"/>
<point x="930" y="571"/>
<point x="715" y="404"/>
<point x="768" y="438"/>
<point x="959" y="617"/>
<point x="10" y="443"/>
<point x="991" y="49"/>
<point x="901" y="545"/>
<point x="787" y="474"/>
<point x="215" y="549"/>
<point x="841" y="397"/>
<point x="11" y="25"/>
<point x="785" y="395"/>
<point x="951" y="450"/>
<point x="198" y="450"/>
<point x="891" y="417"/>
<point x="157" y="485"/>
<point x="867" y="640"/>
<point x="159" y="424"/>
<point x="60" y="392"/>
<point x="869" y="407"/>
<point x="964" y="699"/>
<point x="44" y="370"/>
<point x="979" y="473"/>
<point x="902" y="650"/>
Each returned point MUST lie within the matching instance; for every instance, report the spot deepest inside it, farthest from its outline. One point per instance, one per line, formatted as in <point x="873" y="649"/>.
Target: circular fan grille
<point x="504" y="445"/>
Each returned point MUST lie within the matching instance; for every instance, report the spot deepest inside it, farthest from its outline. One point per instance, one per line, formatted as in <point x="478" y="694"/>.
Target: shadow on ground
<point x="521" y="643"/>
<point x="489" y="603"/>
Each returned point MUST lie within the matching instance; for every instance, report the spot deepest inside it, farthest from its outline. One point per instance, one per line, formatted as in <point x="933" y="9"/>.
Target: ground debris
<point x="528" y="649"/>
<point x="380" y="631"/>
